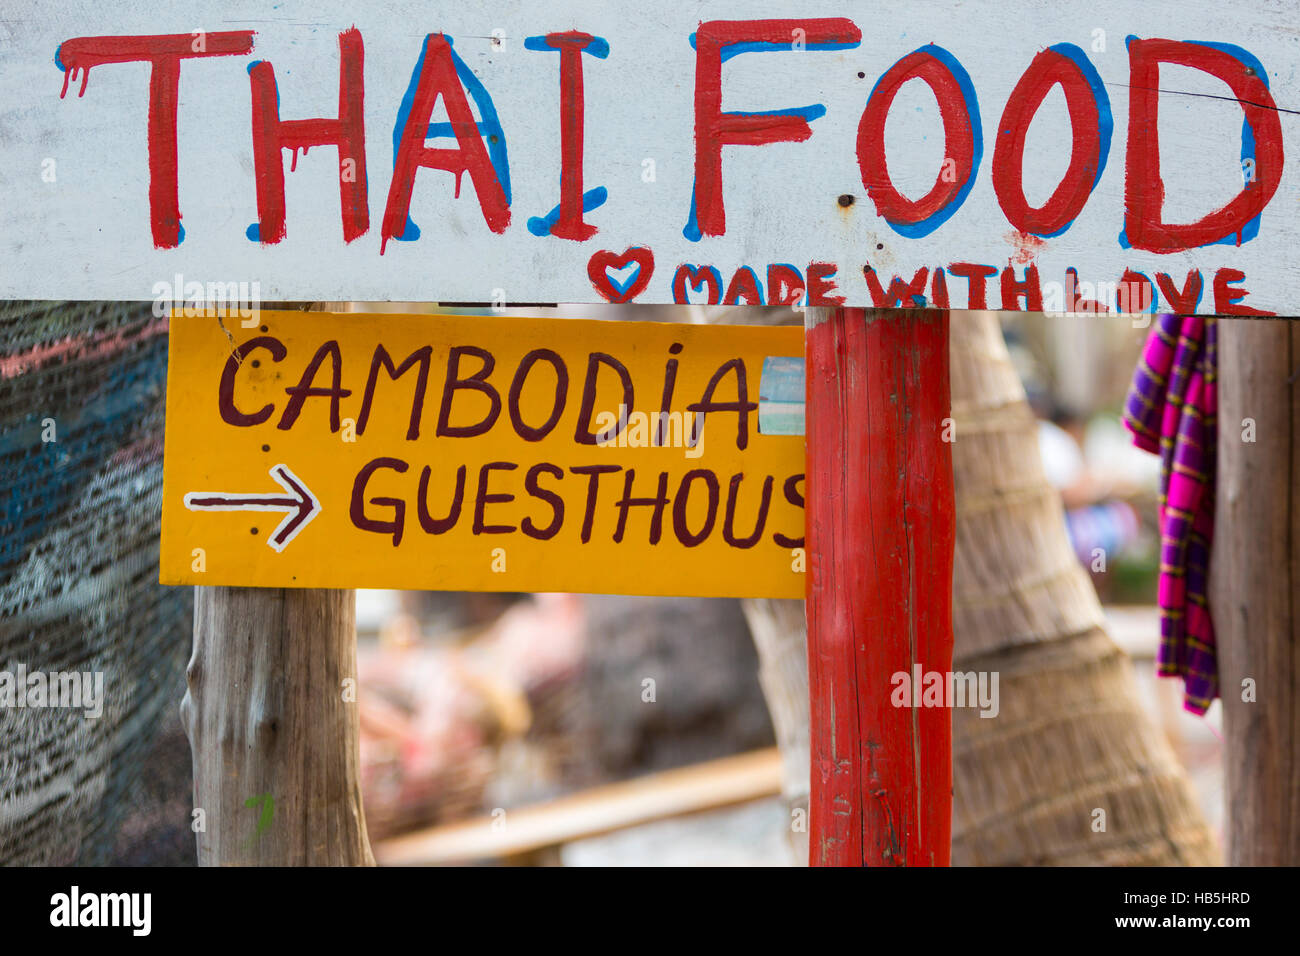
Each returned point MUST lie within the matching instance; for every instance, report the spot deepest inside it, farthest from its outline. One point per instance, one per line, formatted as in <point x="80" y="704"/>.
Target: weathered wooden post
<point x="271" y="715"/>
<point x="270" y="712"/>
<point x="1255" y="580"/>
<point x="880" y="535"/>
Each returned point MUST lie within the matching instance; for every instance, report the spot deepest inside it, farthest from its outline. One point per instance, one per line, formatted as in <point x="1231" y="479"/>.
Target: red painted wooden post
<point x="880" y="542"/>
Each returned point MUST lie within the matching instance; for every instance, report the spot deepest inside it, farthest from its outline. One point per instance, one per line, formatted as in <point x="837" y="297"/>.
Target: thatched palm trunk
<point x="1071" y="737"/>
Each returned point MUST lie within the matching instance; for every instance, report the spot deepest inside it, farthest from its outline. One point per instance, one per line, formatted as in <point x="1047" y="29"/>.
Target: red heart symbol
<point x="613" y="291"/>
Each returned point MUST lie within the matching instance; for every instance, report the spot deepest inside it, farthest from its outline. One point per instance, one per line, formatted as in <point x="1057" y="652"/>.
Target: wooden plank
<point x="707" y="786"/>
<point x="1255" y="581"/>
<point x="879" y="601"/>
<point x="481" y="453"/>
<point x="271" y="152"/>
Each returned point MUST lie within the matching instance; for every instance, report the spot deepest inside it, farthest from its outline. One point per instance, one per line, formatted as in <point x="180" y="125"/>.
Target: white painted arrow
<point x="300" y="504"/>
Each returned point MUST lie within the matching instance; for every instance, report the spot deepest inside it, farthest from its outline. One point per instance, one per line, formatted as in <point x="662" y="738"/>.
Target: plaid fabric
<point x="1171" y="411"/>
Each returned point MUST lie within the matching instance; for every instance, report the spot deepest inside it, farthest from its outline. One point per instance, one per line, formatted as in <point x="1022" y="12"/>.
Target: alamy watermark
<point x="72" y="689"/>
<point x="946" y="689"/>
<point x="1077" y="298"/>
<point x="75" y="908"/>
<point x="643" y="430"/>
<point x="192" y="299"/>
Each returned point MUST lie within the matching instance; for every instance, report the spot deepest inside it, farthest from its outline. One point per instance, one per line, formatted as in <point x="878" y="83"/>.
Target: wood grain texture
<point x="880" y="519"/>
<point x="274" y="742"/>
<point x="1255" y="580"/>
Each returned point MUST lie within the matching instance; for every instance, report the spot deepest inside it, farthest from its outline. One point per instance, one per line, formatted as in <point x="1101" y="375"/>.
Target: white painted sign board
<point x="946" y="153"/>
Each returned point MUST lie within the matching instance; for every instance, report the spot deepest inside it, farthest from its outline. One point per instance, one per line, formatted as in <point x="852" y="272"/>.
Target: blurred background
<point x="558" y="729"/>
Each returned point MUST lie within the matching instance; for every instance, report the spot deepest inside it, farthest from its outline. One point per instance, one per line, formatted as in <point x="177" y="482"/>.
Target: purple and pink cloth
<point x="1171" y="411"/>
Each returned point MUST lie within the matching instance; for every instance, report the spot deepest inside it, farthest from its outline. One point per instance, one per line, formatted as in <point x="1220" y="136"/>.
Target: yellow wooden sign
<point x="484" y="454"/>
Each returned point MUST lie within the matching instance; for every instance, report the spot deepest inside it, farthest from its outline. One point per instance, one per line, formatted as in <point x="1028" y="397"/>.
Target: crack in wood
<point x="1206" y="96"/>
